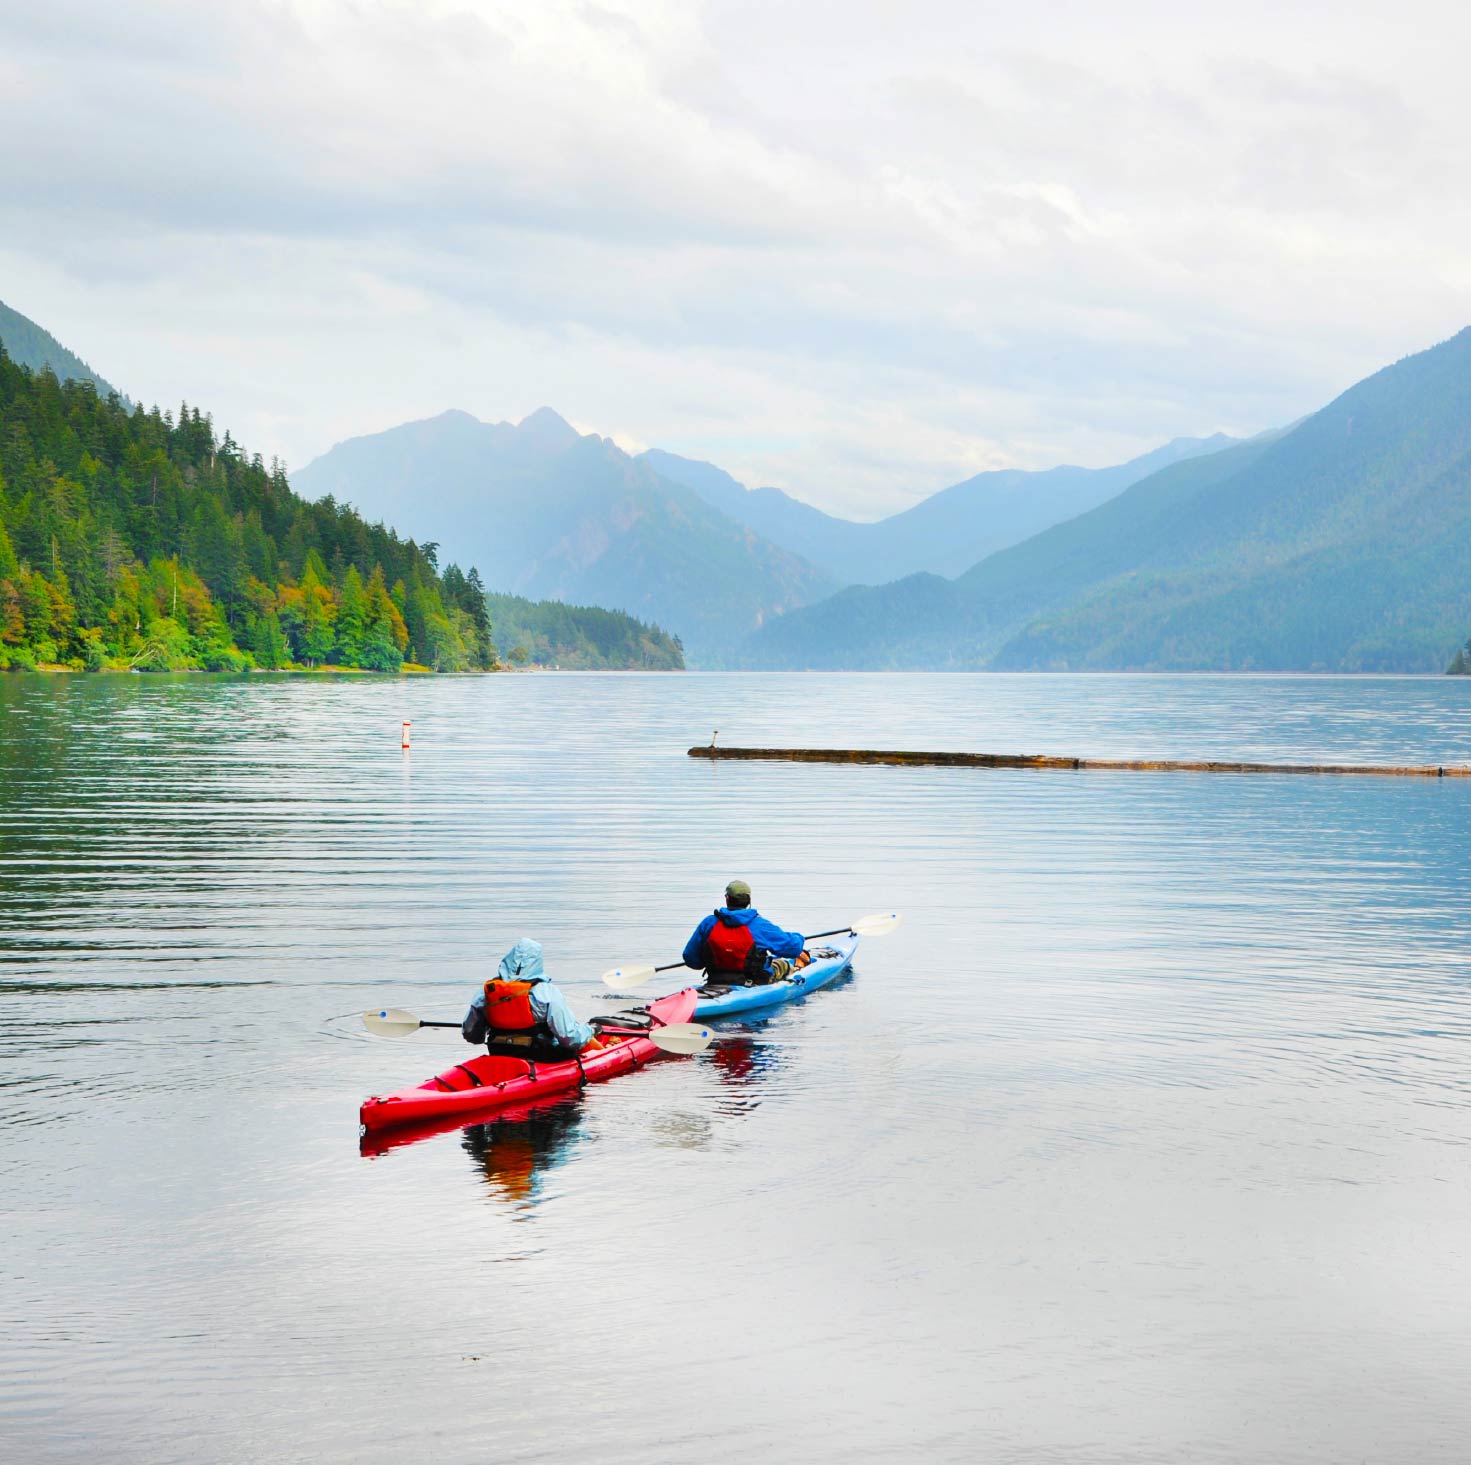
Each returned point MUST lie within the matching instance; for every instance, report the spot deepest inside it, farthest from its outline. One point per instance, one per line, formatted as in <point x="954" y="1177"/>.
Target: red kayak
<point x="492" y="1082"/>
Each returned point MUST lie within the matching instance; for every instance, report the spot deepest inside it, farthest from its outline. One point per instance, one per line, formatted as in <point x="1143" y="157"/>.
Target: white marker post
<point x="407" y="726"/>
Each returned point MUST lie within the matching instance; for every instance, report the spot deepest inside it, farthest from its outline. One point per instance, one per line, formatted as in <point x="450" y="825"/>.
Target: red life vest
<point x="726" y="948"/>
<point x="508" y="1009"/>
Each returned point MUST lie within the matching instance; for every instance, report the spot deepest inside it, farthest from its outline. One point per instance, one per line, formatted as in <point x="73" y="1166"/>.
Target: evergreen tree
<point x="269" y="644"/>
<point x="352" y="619"/>
<point x="316" y="616"/>
<point x="12" y="621"/>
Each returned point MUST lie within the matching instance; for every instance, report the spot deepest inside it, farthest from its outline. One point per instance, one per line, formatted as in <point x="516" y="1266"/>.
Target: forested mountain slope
<point x="1340" y="544"/>
<point x="547" y="512"/>
<point x="926" y="621"/>
<point x="579" y="637"/>
<point x="29" y="345"/>
<point x="135" y="538"/>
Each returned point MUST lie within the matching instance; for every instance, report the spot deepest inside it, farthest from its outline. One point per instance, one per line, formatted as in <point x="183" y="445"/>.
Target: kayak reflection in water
<point x="738" y="946"/>
<point x="521" y="1014"/>
<point x="742" y="1064"/>
<point x="515" y="1151"/>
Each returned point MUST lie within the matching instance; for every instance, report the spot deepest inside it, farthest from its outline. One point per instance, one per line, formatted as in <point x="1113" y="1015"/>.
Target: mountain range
<point x="943" y="534"/>
<point x="1340" y="544"/>
<point x="548" y="512"/>
<point x="551" y="514"/>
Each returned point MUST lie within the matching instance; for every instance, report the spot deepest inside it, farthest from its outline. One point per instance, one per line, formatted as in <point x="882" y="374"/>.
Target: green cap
<point x="737" y="888"/>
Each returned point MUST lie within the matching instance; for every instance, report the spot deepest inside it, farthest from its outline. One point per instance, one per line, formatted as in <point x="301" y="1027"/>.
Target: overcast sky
<point x="856" y="250"/>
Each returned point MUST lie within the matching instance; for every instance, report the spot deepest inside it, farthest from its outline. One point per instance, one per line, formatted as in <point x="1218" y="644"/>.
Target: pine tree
<point x="9" y="565"/>
<point x="12" y="622"/>
<point x="384" y="637"/>
<point x="316" y="614"/>
<point x="269" y="644"/>
<point x="352" y="619"/>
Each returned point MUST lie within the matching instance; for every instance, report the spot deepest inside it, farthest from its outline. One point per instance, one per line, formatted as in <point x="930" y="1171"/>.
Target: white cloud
<point x="859" y="252"/>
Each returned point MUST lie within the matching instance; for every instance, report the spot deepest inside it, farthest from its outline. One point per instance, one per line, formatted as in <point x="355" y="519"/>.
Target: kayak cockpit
<point x="490" y="1070"/>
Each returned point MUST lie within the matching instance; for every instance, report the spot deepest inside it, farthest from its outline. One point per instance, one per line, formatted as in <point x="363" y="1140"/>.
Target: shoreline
<point x="408" y="669"/>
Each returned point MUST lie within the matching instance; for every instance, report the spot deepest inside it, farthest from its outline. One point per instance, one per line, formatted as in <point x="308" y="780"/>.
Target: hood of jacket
<point x="522" y="963"/>
<point x="742" y="917"/>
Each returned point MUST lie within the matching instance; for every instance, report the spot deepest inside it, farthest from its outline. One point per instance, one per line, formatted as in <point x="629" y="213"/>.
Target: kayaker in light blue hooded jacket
<point x="548" y="1009"/>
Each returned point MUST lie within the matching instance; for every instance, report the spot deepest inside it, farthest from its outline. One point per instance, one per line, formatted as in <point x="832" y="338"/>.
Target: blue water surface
<point x="1147" y="1139"/>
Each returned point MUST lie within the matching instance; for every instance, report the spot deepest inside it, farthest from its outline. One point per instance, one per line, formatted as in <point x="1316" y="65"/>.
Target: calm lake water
<point x="1148" y="1139"/>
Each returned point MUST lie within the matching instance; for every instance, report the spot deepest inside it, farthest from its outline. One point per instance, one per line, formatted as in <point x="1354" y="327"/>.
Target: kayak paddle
<point x="674" y="1037"/>
<point x="622" y="978"/>
<point x="394" y="1022"/>
<point x="875" y="925"/>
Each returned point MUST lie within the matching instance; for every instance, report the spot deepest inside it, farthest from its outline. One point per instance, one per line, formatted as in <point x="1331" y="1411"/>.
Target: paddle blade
<point x="682" y="1037"/>
<point x="391" y="1022"/>
<point x="626" y="978"/>
<point x="878" y="925"/>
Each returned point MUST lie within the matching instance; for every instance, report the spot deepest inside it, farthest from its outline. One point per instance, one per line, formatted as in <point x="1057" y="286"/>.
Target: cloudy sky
<point x="857" y="250"/>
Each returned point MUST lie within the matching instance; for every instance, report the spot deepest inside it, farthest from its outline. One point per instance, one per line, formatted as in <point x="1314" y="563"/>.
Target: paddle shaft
<point x="816" y="935"/>
<point x="425" y="1022"/>
<point x="615" y="1032"/>
<point x="618" y="1032"/>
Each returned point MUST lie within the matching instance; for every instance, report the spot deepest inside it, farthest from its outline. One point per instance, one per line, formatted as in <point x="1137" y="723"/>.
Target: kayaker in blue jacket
<point x="526" y="1012"/>
<point x="737" y="944"/>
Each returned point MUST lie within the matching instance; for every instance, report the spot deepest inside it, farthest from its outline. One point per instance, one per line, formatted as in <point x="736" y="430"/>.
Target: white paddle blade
<point x="878" y="925"/>
<point x="682" y="1037"/>
<point x="626" y="978"/>
<point x="391" y="1022"/>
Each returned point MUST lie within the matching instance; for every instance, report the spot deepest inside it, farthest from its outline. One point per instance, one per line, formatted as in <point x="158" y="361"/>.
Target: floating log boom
<point x="905" y="757"/>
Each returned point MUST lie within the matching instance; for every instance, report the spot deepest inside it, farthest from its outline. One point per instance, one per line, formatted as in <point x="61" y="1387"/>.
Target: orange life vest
<point x="508" y="1011"/>
<point x="726" y="948"/>
<point x="512" y="1025"/>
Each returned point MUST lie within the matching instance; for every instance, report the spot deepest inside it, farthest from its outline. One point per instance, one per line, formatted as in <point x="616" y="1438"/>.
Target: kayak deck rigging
<point x="724" y="999"/>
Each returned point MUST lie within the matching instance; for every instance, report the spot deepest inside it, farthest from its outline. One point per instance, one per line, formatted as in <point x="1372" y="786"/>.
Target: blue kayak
<point x="723" y="1001"/>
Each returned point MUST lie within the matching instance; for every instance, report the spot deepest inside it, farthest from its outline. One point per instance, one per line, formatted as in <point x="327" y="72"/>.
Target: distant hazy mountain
<point x="1341" y="544"/>
<point x="946" y="533"/>
<point x="26" y="343"/>
<point x="547" y="513"/>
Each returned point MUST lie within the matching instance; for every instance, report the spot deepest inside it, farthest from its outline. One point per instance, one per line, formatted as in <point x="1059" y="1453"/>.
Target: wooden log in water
<point x="1042" y="760"/>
